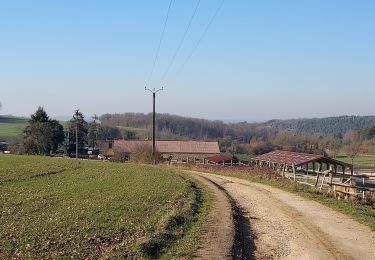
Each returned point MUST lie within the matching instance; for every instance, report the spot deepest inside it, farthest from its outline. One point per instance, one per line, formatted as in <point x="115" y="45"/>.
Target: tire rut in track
<point x="243" y="245"/>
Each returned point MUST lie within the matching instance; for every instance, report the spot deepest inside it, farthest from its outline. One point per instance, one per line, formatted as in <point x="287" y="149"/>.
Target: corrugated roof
<point x="192" y="147"/>
<point x="287" y="157"/>
<point x="219" y="159"/>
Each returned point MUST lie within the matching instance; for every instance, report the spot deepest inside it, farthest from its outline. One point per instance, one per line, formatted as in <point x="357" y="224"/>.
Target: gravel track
<point x="279" y="225"/>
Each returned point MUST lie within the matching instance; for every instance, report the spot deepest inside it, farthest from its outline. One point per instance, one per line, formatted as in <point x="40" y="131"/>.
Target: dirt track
<point x="283" y="225"/>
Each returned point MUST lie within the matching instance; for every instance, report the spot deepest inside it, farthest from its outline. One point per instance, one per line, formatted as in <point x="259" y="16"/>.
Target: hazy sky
<point x="259" y="59"/>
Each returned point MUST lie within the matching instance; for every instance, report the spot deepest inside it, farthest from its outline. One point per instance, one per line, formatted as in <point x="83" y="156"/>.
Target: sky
<point x="258" y="60"/>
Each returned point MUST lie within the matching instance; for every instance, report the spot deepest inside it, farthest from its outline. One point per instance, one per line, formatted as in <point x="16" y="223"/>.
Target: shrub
<point x="143" y="154"/>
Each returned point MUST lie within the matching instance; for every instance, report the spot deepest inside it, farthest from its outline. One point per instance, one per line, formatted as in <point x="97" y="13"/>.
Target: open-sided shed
<point x="306" y="169"/>
<point x="310" y="162"/>
<point x="219" y="159"/>
<point x="294" y="159"/>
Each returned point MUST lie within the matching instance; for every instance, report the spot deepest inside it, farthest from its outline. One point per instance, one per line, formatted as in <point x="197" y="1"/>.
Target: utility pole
<point x="67" y="141"/>
<point x="153" y="91"/>
<point x="76" y="138"/>
<point x="95" y="117"/>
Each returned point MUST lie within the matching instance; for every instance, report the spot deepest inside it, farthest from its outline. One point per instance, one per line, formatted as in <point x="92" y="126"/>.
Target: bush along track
<point x="360" y="212"/>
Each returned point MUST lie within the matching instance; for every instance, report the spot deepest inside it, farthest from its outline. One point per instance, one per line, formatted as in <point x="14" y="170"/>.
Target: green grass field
<point x="63" y="208"/>
<point x="11" y="130"/>
<point x="11" y="126"/>
<point x="359" y="160"/>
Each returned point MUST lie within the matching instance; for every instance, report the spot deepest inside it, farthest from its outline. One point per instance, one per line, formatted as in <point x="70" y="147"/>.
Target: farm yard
<point x="53" y="208"/>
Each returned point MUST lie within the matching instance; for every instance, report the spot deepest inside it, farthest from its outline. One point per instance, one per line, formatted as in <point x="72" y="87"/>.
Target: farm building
<point x="308" y="162"/>
<point x="319" y="171"/>
<point x="178" y="151"/>
<point x="219" y="159"/>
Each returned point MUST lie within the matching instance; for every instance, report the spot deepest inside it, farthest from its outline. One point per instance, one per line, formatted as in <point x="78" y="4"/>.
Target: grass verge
<point x="362" y="213"/>
<point x="188" y="244"/>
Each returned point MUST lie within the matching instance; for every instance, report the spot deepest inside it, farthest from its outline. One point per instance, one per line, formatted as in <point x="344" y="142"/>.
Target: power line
<point x="160" y="41"/>
<point x="182" y="41"/>
<point x="200" y="39"/>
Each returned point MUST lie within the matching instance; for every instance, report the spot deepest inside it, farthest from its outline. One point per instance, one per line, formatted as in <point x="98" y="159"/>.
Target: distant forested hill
<point x="176" y="125"/>
<point x="319" y="135"/>
<point x="12" y="120"/>
<point x="243" y="132"/>
<point x="328" y="125"/>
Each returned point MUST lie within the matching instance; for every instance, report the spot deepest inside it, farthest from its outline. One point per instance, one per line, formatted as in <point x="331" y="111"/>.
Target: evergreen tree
<point x="77" y="125"/>
<point x="107" y="132"/>
<point x="42" y="135"/>
<point x="93" y="133"/>
<point x="58" y="136"/>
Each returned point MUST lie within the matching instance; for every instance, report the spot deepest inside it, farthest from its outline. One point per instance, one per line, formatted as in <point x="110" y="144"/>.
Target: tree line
<point x="43" y="135"/>
<point x="344" y="135"/>
<point x="328" y="125"/>
<point x="329" y="136"/>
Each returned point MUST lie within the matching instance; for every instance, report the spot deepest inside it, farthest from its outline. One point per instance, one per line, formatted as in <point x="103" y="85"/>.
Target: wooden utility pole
<point x="76" y="138"/>
<point x="66" y="140"/>
<point x="153" y="91"/>
<point x="153" y="125"/>
<point x="95" y="117"/>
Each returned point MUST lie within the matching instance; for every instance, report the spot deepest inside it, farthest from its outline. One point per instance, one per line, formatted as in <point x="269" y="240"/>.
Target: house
<point x="178" y="151"/>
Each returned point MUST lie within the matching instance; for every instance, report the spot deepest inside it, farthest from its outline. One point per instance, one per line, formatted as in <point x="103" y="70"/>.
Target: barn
<point x="178" y="151"/>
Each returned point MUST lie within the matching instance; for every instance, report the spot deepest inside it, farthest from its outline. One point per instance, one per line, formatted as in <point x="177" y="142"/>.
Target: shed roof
<point x="295" y="158"/>
<point x="189" y="147"/>
<point x="219" y="159"/>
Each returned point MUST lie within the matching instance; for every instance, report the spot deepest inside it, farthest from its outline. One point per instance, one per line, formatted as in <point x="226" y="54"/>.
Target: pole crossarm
<point x="154" y="91"/>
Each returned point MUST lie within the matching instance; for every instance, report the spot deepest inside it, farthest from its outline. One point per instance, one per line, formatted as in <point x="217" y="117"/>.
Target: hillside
<point x="328" y="125"/>
<point x="207" y="129"/>
<point x="169" y="124"/>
